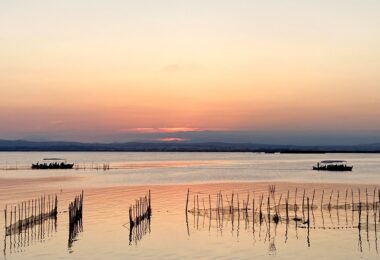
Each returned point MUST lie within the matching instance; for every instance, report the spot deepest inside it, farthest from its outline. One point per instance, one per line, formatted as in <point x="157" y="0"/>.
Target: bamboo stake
<point x="221" y="199"/>
<point x="187" y="199"/>
<point x="194" y="205"/>
<point x="378" y="192"/>
<point x="261" y="213"/>
<point x="337" y="200"/>
<point x="373" y="200"/>
<point x="278" y="206"/>
<point x="345" y="200"/>
<point x="308" y="213"/>
<point x="5" y="216"/>
<point x="287" y="209"/>
<point x="303" y="200"/>
<point x="15" y="219"/>
<point x="253" y="210"/>
<point x="323" y="193"/>
<point x="330" y="199"/>
<point x="246" y="206"/>
<point x="197" y="204"/>
<point x="209" y="202"/>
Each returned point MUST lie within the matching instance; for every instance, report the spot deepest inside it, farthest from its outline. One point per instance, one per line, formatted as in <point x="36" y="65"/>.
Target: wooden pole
<point x="378" y="193"/>
<point x="246" y="205"/>
<point x="360" y="212"/>
<point x="278" y="206"/>
<point x="303" y="200"/>
<point x="5" y="217"/>
<point x="337" y="201"/>
<point x="22" y="214"/>
<point x="15" y="220"/>
<point x="194" y="206"/>
<point x="209" y="202"/>
<point x="261" y="212"/>
<point x="345" y="200"/>
<point x="197" y="204"/>
<point x="232" y="202"/>
<point x="330" y="199"/>
<point x="287" y="209"/>
<point x="287" y="196"/>
<point x="253" y="212"/>
<point x="308" y="213"/>
<point x="130" y="217"/>
<point x="323" y="193"/>
<point x="308" y="222"/>
<point x="10" y="222"/>
<point x="373" y="201"/>
<point x="19" y="215"/>
<point x="187" y="199"/>
<point x="221" y="199"/>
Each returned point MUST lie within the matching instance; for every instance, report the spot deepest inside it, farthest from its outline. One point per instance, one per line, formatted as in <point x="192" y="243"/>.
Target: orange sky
<point x="211" y="65"/>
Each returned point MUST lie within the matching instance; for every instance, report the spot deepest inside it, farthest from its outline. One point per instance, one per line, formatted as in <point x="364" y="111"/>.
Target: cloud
<point x="171" y="139"/>
<point x="148" y="130"/>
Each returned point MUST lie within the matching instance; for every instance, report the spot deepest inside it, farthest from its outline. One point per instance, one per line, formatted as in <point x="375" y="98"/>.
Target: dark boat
<point x="333" y="165"/>
<point x="52" y="163"/>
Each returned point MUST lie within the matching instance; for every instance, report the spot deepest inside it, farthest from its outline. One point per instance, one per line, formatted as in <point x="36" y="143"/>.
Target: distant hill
<point x="22" y="145"/>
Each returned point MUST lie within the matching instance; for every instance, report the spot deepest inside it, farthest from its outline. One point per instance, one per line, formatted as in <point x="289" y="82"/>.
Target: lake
<point x="339" y="223"/>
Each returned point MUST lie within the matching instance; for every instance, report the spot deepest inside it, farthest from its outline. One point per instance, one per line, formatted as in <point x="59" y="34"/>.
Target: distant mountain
<point x="22" y="145"/>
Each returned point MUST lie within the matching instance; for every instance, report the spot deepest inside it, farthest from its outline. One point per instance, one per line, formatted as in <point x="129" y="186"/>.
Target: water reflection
<point x="137" y="232"/>
<point x="74" y="230"/>
<point x="16" y="242"/>
<point x="140" y="215"/>
<point x="75" y="219"/>
<point x="279" y="231"/>
<point x="265" y="219"/>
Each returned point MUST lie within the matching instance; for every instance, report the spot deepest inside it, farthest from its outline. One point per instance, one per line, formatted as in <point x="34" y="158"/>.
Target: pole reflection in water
<point x="17" y="242"/>
<point x="75" y="219"/>
<point x="139" y="218"/>
<point x="137" y="233"/>
<point x="74" y="230"/>
<point x="269" y="215"/>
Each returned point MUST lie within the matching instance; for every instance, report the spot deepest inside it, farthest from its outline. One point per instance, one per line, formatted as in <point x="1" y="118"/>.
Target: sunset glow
<point x="94" y="71"/>
<point x="171" y="139"/>
<point x="164" y="130"/>
<point x="189" y="129"/>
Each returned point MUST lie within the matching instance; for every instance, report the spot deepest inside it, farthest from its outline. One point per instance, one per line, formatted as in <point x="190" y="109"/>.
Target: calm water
<point x="184" y="168"/>
<point x="332" y="233"/>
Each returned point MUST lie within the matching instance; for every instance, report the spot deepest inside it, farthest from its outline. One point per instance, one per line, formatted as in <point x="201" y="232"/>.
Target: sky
<point x="200" y="70"/>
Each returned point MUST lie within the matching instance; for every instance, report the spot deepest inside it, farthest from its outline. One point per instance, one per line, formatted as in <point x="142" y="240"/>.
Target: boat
<point x="52" y="163"/>
<point x="332" y="165"/>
